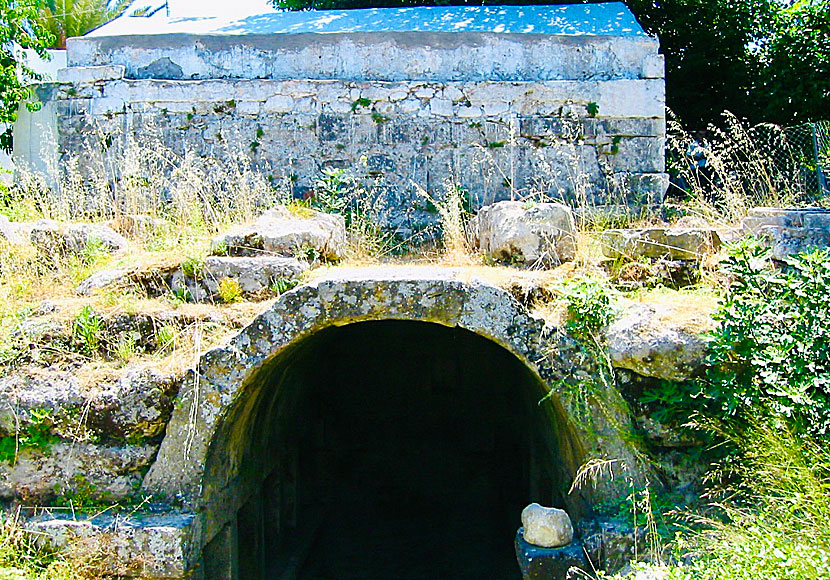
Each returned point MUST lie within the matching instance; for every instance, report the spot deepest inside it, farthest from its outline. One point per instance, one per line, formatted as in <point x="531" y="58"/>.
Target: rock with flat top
<point x="254" y="274"/>
<point x="546" y="527"/>
<point x="53" y="238"/>
<point x="643" y="339"/>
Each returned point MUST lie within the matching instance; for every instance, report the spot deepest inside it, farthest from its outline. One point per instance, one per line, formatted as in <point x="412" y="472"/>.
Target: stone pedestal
<point x="548" y="563"/>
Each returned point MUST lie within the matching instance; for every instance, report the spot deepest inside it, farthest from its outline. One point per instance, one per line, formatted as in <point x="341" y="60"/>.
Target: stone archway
<point x="248" y="415"/>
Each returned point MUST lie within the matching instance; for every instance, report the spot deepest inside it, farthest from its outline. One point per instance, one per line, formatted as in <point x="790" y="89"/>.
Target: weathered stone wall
<point x="578" y="118"/>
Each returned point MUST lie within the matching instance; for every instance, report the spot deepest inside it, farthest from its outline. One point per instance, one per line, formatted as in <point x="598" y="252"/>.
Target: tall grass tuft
<point x="775" y="525"/>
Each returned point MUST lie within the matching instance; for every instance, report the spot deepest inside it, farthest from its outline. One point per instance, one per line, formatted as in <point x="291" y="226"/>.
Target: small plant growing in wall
<point x="378" y="118"/>
<point x="592" y="109"/>
<point x="282" y="285"/>
<point x="193" y="266"/>
<point x="362" y="102"/>
<point x="166" y="338"/>
<point x="37" y="435"/>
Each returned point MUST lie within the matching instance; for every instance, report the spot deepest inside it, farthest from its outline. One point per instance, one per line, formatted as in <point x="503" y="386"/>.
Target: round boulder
<point x="546" y="527"/>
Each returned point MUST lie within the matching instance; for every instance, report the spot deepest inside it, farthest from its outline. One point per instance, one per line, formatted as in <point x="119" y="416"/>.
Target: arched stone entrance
<point x="360" y="413"/>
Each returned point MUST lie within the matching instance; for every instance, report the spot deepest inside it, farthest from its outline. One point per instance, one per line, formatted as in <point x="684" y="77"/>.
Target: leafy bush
<point x="771" y="349"/>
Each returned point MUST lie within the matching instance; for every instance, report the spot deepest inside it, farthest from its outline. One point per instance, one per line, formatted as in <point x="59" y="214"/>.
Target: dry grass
<point x="746" y="166"/>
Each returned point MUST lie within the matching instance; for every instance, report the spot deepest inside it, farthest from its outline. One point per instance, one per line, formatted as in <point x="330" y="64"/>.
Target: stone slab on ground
<point x="789" y="231"/>
<point x="539" y="234"/>
<point x="157" y="547"/>
<point x="660" y="242"/>
<point x="281" y="232"/>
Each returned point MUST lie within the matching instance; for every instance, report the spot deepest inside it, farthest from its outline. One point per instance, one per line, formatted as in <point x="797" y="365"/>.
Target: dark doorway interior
<point x="400" y="450"/>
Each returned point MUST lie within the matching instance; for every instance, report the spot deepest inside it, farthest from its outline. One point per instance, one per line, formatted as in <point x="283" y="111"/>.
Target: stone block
<point x="254" y="274"/>
<point x="157" y="547"/>
<point x="279" y="232"/>
<point x="633" y="154"/>
<point x="644" y="339"/>
<point x="785" y="242"/>
<point x="639" y="189"/>
<point x="672" y="243"/>
<point x="333" y="127"/>
<point x="90" y="74"/>
<point x="789" y="231"/>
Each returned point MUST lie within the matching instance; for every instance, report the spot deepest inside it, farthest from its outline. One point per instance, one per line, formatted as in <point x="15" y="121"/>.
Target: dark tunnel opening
<point x="390" y="449"/>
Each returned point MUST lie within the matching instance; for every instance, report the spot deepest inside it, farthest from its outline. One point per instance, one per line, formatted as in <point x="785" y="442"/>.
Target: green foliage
<point x="282" y="285"/>
<point x="88" y="330"/>
<point x="18" y="25"/>
<point x="771" y="349"/>
<point x="36" y="435"/>
<point x="126" y="348"/>
<point x="588" y="303"/>
<point x="794" y="77"/>
<point x="378" y="118"/>
<point x="193" y="266"/>
<point x="65" y="18"/>
<point x="166" y="338"/>
<point x="592" y="109"/>
<point x="332" y="190"/>
<point x="81" y="494"/>
<point x="361" y="102"/>
<point x="779" y="527"/>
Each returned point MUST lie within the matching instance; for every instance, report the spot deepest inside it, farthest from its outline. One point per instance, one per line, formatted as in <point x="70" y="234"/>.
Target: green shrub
<point x="771" y="349"/>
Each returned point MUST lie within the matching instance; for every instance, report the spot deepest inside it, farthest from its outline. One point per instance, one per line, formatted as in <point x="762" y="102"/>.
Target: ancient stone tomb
<point x="561" y="101"/>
